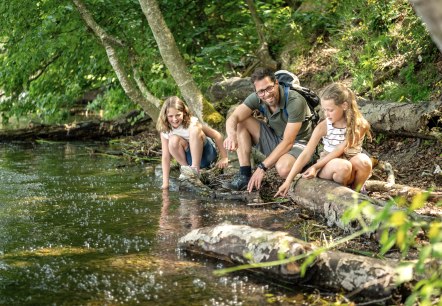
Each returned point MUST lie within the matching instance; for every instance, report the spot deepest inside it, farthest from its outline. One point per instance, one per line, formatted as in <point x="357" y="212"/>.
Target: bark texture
<point x="263" y="51"/>
<point x="422" y="120"/>
<point x="331" y="200"/>
<point x="149" y="103"/>
<point x="93" y="129"/>
<point x="175" y="63"/>
<point x="240" y="244"/>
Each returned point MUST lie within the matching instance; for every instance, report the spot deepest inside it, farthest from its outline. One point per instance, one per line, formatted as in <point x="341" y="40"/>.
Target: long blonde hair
<point x="172" y="102"/>
<point x="356" y="123"/>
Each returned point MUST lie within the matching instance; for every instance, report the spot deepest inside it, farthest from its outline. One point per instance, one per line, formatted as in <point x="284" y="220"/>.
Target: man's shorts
<point x="209" y="154"/>
<point x="268" y="140"/>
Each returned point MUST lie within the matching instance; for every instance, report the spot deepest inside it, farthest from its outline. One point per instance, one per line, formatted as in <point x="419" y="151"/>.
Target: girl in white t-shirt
<point x="183" y="137"/>
<point x="342" y="134"/>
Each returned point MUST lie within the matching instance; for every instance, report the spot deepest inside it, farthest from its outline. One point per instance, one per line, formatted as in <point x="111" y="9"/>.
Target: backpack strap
<point x="286" y="93"/>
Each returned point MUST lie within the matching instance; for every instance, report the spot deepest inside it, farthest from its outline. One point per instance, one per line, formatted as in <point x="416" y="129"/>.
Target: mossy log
<point x="357" y="276"/>
<point x="85" y="130"/>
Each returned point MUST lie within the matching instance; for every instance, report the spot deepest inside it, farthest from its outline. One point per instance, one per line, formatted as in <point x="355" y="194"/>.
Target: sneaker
<point x="239" y="182"/>
<point x="363" y="190"/>
<point x="187" y="172"/>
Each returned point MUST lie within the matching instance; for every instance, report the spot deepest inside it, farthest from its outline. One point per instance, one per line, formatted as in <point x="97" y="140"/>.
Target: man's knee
<point x="284" y="165"/>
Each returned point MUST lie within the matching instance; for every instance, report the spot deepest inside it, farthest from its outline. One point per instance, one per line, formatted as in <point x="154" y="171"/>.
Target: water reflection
<point x="77" y="228"/>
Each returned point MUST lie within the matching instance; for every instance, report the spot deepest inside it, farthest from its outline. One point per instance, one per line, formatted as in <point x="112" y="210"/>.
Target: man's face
<point x="268" y="91"/>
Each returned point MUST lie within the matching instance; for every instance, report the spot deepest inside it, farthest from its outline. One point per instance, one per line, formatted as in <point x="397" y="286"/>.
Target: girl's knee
<point x="196" y="131"/>
<point x="342" y="174"/>
<point x="175" y="142"/>
<point x="362" y="162"/>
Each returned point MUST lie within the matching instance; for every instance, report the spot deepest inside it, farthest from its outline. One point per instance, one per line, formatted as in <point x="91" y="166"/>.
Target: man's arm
<point x="290" y="133"/>
<point x="241" y="113"/>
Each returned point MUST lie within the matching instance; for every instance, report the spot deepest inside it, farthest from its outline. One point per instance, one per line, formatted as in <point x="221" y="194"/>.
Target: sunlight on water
<point x="77" y="229"/>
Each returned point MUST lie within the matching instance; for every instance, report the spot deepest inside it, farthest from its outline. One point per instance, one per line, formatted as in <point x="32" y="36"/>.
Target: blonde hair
<point x="172" y="102"/>
<point x="356" y="123"/>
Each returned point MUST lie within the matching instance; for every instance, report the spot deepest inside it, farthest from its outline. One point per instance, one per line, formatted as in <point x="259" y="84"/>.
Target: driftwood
<point x="357" y="276"/>
<point x="93" y="129"/>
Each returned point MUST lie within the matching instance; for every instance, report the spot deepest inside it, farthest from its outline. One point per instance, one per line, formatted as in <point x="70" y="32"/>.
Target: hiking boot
<point x="239" y="182"/>
<point x="188" y="173"/>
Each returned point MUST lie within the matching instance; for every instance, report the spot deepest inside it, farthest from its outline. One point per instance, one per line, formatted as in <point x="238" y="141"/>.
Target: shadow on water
<point x="77" y="228"/>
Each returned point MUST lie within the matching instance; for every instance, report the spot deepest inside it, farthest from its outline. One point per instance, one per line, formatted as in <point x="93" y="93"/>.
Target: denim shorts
<point x="209" y="154"/>
<point x="268" y="140"/>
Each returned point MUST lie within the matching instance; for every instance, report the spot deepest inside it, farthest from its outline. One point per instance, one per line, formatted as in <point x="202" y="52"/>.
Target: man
<point x="281" y="140"/>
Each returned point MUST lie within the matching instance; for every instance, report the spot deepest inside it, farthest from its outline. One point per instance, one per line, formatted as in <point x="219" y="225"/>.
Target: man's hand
<point x="222" y="163"/>
<point x="231" y="143"/>
<point x="256" y="180"/>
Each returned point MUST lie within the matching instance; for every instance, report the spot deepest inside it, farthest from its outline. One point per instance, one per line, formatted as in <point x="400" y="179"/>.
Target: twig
<point x="285" y="207"/>
<point x="266" y="203"/>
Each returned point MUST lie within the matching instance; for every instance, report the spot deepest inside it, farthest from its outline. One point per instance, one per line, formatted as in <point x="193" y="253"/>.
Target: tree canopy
<point x="49" y="57"/>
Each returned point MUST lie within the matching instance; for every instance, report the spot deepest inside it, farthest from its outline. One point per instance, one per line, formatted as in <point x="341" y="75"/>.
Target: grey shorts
<point x="268" y="140"/>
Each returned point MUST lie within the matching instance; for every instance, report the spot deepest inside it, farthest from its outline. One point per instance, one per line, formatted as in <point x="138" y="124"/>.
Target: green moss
<point x="211" y="115"/>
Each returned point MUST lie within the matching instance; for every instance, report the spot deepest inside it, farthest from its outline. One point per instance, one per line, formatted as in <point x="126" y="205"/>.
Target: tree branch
<point x="150" y="106"/>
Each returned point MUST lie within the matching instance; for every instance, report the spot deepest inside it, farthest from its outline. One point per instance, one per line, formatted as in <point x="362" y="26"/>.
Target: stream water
<point x="78" y="228"/>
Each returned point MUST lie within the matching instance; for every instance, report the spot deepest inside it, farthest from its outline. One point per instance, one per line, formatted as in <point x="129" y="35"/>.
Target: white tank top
<point x="180" y="131"/>
<point x="334" y="137"/>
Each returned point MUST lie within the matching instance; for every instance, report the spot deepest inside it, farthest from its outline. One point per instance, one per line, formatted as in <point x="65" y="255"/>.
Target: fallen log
<point x="422" y="120"/>
<point x="331" y="200"/>
<point x="358" y="276"/>
<point x="85" y="130"/>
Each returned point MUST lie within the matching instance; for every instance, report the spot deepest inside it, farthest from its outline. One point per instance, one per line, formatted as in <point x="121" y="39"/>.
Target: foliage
<point x="112" y="103"/>
<point x="381" y="46"/>
<point x="49" y="59"/>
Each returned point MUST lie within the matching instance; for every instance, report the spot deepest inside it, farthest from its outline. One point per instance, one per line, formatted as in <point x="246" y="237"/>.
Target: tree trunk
<point x="93" y="129"/>
<point x="358" y="276"/>
<point x="150" y="105"/>
<point x="431" y="13"/>
<point x="263" y="51"/>
<point x="422" y="120"/>
<point x="176" y="65"/>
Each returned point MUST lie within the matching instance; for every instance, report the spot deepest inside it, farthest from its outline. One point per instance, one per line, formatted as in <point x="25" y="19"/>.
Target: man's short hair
<point x="262" y="72"/>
